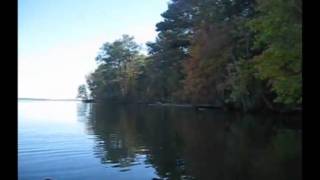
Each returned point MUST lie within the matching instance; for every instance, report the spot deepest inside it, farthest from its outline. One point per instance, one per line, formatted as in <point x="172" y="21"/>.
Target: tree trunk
<point x="267" y="102"/>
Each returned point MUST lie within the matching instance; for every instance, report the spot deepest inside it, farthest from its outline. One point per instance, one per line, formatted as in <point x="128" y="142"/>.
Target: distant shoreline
<point x="43" y="99"/>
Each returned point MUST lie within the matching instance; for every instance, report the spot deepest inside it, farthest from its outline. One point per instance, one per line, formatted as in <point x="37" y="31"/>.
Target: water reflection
<point x="183" y="144"/>
<point x="83" y="111"/>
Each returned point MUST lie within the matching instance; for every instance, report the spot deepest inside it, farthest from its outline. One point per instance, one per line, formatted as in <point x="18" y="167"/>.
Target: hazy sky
<point x="59" y="39"/>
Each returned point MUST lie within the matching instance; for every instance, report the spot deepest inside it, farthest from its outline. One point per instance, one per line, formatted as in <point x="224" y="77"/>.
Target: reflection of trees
<point x="207" y="145"/>
<point x="222" y="147"/>
<point x="83" y="110"/>
<point x="165" y="144"/>
<point x="116" y="135"/>
<point x="124" y="132"/>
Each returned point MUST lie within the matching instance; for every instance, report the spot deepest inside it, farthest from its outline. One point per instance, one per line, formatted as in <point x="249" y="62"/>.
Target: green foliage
<point x="169" y="50"/>
<point x="244" y="54"/>
<point x="205" y="81"/>
<point x="120" y="66"/>
<point x="279" y="28"/>
<point x="214" y="48"/>
<point x="246" y="90"/>
<point x="82" y="92"/>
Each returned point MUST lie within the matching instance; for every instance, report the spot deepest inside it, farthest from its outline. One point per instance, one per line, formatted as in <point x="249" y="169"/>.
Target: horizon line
<point x="29" y="98"/>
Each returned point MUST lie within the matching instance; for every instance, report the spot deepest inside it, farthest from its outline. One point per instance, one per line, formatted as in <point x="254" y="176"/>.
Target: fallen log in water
<point x="88" y="100"/>
<point x="171" y="104"/>
<point x="196" y="106"/>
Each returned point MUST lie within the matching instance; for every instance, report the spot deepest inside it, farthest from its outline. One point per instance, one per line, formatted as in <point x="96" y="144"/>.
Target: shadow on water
<point x="184" y="144"/>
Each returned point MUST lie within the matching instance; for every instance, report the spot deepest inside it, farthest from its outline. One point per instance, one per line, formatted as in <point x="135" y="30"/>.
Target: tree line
<point x="240" y="54"/>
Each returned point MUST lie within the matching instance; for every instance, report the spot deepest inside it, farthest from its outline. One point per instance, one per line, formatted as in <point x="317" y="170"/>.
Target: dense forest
<point x="239" y="54"/>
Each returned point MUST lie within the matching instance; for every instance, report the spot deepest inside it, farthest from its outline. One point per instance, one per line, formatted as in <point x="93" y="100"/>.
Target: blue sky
<point x="59" y="39"/>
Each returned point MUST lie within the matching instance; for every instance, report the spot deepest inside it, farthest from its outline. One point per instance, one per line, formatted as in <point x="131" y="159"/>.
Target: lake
<point x="67" y="140"/>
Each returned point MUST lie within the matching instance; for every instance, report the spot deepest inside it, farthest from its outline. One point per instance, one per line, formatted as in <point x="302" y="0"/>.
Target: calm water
<point x="72" y="140"/>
